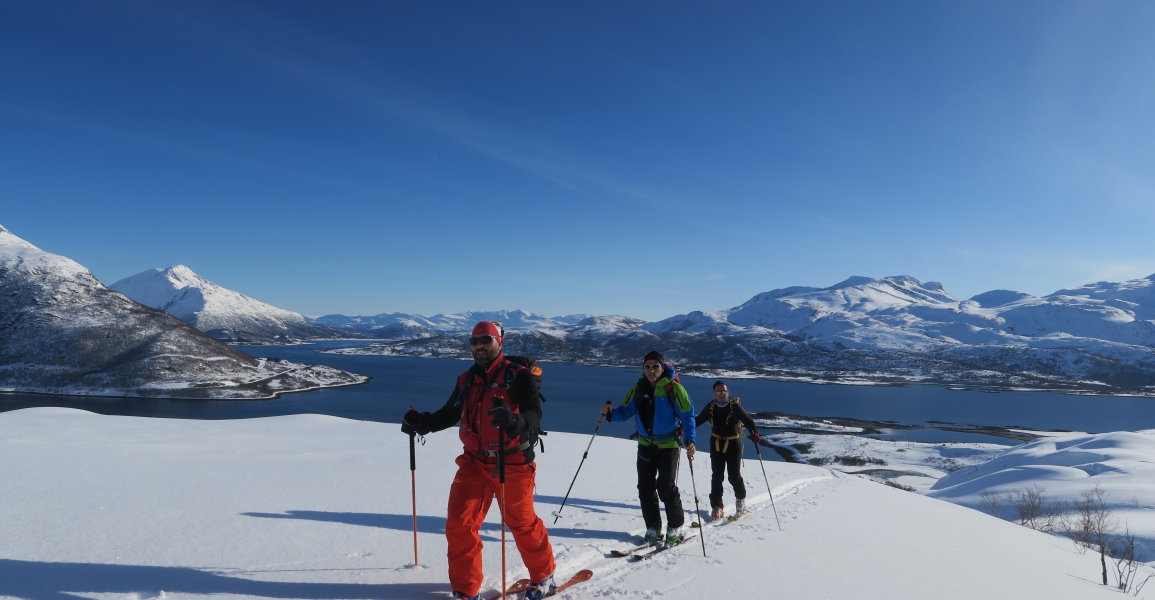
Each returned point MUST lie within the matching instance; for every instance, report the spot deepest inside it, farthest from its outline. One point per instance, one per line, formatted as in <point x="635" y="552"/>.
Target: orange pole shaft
<point x="503" y="584"/>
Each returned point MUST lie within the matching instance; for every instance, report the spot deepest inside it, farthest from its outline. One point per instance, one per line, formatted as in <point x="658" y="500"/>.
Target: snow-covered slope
<point x="62" y="331"/>
<point x="1122" y="463"/>
<point x="379" y="325"/>
<point x="311" y="506"/>
<point x="219" y="312"/>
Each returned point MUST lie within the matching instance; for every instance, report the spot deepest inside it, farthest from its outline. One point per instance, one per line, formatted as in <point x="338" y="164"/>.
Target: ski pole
<point x="413" y="484"/>
<point x="697" y="509"/>
<point x="557" y="515"/>
<point x="501" y="484"/>
<point x="767" y="479"/>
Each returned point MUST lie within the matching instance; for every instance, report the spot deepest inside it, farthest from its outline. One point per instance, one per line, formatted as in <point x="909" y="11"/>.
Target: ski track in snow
<point x="614" y="568"/>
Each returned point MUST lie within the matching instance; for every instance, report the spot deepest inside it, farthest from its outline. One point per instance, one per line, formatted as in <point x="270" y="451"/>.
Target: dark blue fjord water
<point x="575" y="392"/>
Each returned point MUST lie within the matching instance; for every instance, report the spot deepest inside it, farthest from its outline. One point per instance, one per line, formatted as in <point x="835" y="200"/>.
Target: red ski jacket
<point x="479" y="390"/>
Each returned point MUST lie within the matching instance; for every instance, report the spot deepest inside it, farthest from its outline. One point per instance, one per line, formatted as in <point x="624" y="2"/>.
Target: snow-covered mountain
<point x="1098" y="337"/>
<point x="408" y="326"/>
<point x="904" y="313"/>
<point x="62" y="331"/>
<point x="217" y="311"/>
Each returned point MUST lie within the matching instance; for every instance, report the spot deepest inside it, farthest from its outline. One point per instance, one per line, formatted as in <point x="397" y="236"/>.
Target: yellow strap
<point x="718" y="441"/>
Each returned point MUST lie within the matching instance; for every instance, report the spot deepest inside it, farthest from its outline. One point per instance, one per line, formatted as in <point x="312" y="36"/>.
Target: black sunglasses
<point x="484" y="340"/>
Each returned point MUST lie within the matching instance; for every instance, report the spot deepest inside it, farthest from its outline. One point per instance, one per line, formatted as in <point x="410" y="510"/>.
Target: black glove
<point x="504" y="419"/>
<point x="414" y="423"/>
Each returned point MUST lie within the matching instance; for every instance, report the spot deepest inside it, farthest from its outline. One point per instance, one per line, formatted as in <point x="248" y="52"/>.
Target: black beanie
<point x="655" y="355"/>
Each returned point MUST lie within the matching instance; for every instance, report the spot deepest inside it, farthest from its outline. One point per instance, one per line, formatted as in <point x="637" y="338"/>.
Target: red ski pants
<point x="474" y="488"/>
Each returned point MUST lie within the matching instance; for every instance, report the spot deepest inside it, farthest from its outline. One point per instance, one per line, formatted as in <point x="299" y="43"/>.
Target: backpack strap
<point x="510" y="374"/>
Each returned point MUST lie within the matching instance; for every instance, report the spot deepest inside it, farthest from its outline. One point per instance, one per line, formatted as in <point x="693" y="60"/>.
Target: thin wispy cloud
<point x="388" y="101"/>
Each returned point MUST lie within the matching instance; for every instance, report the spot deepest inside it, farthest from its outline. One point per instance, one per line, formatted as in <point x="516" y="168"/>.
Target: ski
<point x="579" y="577"/>
<point x="650" y="555"/>
<point x="517" y="588"/>
<point x="630" y="551"/>
<point x="521" y="584"/>
<point x="722" y="521"/>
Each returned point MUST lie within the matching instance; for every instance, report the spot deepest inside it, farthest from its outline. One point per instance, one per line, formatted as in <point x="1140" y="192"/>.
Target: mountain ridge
<point x="64" y="332"/>
<point x="222" y="313"/>
<point x="875" y="330"/>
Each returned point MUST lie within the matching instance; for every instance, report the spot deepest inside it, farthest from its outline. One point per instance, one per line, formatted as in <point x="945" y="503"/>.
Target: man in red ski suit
<point x="494" y="394"/>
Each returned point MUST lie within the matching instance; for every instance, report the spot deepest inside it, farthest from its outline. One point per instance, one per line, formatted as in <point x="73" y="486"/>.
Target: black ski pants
<point x="720" y="462"/>
<point x="658" y="479"/>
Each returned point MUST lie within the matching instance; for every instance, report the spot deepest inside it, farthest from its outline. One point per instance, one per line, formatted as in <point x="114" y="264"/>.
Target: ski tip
<point x="583" y="575"/>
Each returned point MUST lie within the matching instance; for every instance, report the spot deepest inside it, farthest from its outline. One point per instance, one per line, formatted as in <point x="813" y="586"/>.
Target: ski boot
<point x="740" y="506"/>
<point x="653" y="537"/>
<point x="716" y="515"/>
<point x="673" y="535"/>
<point x="537" y="591"/>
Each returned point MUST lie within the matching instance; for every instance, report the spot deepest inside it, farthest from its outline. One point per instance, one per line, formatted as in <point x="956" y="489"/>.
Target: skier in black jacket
<point x="726" y="417"/>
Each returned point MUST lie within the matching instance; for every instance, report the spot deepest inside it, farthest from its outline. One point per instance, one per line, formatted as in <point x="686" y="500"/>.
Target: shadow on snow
<point x="73" y="581"/>
<point x="425" y="524"/>
<point x="587" y="503"/>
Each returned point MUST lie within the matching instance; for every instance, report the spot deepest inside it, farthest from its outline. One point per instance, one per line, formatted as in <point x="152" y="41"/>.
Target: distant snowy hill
<point x="219" y="312"/>
<point x="404" y="325"/>
<point x="1121" y="463"/>
<point x="62" y="331"/>
<point x="1098" y="338"/>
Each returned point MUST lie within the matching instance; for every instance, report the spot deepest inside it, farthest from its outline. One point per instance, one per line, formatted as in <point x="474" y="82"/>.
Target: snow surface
<point x="313" y="506"/>
<point x="1122" y="463"/>
<point x="26" y="260"/>
<point x="917" y="465"/>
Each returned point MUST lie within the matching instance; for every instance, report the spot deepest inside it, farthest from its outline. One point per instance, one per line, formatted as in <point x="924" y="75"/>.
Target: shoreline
<point x="883" y="380"/>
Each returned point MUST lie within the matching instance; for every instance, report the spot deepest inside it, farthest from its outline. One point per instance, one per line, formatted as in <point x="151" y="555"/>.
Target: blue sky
<point x="641" y="158"/>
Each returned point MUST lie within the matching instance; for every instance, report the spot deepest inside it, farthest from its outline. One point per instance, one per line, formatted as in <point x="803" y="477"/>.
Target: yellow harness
<point x="721" y="444"/>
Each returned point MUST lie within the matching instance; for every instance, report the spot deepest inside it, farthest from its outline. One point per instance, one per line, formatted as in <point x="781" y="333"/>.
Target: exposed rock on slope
<point x="62" y="331"/>
<point x="219" y="312"/>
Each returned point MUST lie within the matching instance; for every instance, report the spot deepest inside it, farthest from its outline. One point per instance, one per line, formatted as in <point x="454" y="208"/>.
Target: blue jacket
<point x="669" y="413"/>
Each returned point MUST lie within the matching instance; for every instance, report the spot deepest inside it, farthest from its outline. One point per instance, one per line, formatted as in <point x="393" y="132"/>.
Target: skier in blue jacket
<point x="660" y="406"/>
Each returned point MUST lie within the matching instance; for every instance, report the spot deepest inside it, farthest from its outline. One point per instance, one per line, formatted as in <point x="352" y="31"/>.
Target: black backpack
<point x="535" y="372"/>
<point x="529" y="363"/>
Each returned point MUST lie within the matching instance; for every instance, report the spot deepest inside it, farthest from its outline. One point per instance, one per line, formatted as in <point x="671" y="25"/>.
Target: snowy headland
<point x="312" y="506"/>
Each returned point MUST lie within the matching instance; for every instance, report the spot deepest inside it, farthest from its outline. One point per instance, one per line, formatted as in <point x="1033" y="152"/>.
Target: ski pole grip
<point x="412" y="450"/>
